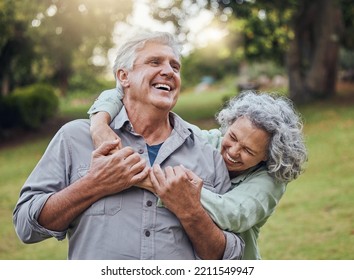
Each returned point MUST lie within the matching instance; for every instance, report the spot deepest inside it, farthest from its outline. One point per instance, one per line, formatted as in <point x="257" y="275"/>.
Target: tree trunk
<point x="63" y="85"/>
<point x="313" y="54"/>
<point x="5" y="85"/>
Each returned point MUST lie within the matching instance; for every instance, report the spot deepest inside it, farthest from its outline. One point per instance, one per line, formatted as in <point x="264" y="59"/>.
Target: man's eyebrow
<point x="152" y="57"/>
<point x="157" y="57"/>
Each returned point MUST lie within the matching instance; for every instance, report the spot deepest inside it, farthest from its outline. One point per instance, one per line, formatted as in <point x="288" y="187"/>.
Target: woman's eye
<point x="233" y="138"/>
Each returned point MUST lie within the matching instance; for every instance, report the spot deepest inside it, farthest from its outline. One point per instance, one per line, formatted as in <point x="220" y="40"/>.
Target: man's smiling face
<point x="155" y="77"/>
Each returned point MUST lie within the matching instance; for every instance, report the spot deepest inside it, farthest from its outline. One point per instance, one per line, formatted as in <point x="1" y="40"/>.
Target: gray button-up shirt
<point x="127" y="225"/>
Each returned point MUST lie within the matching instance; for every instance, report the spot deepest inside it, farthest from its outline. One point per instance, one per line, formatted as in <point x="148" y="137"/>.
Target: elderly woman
<point x="262" y="144"/>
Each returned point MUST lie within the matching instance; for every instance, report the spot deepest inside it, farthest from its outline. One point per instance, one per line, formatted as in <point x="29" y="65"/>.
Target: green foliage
<point x="205" y="103"/>
<point x="9" y="115"/>
<point x="267" y="68"/>
<point x="266" y="26"/>
<point x="34" y="104"/>
<point x="346" y="59"/>
<point x="347" y="9"/>
<point x="87" y="84"/>
<point x="214" y="61"/>
<point x="49" y="40"/>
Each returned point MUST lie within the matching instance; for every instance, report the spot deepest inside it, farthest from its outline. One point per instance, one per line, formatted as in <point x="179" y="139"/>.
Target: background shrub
<point x="9" y="115"/>
<point x="29" y="106"/>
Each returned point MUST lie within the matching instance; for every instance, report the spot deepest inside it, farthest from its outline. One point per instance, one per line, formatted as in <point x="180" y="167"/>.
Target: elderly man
<point x="90" y="195"/>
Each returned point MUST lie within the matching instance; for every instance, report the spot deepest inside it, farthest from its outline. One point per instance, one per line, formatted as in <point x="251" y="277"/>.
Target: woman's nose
<point x="234" y="150"/>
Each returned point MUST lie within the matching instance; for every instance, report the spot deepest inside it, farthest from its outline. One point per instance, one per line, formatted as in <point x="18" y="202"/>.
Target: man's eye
<point x="175" y="68"/>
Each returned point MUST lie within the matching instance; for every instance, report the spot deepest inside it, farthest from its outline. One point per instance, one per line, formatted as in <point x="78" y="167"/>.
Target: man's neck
<point x="153" y="125"/>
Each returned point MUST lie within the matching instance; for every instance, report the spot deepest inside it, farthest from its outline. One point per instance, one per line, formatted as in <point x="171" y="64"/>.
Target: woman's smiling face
<point x="244" y="146"/>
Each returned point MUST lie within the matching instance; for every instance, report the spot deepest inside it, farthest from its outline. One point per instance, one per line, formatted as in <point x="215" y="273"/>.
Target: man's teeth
<point x="231" y="159"/>
<point x="163" y="86"/>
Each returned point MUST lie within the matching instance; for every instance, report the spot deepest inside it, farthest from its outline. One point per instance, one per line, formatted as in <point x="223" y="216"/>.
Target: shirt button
<point x="141" y="151"/>
<point x="147" y="233"/>
<point x="148" y="203"/>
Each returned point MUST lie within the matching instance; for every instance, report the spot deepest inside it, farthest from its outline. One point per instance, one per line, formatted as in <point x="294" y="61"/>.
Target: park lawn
<point x="16" y="164"/>
<point x="315" y="218"/>
<point x="313" y="221"/>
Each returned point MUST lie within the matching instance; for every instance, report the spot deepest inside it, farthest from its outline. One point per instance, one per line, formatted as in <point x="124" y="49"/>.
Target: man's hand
<point x="117" y="169"/>
<point x="109" y="173"/>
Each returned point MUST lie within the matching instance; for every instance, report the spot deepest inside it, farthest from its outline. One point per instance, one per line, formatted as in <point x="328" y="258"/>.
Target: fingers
<point x="193" y="177"/>
<point x="120" y="145"/>
<point x="106" y="147"/>
<point x="140" y="176"/>
<point x="157" y="176"/>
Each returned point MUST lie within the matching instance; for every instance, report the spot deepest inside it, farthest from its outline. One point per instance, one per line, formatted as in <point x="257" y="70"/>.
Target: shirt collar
<point x="121" y="119"/>
<point x="179" y="126"/>
<point x="240" y="178"/>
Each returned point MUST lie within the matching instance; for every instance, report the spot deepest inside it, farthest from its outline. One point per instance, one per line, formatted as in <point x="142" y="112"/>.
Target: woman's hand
<point x="146" y="184"/>
<point x="178" y="188"/>
<point x="101" y="131"/>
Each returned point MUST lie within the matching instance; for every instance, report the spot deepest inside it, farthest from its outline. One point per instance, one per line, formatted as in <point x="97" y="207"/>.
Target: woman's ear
<point x="122" y="76"/>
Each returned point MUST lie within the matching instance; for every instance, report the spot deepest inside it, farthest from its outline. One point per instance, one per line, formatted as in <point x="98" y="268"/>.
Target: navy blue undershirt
<point x="152" y="151"/>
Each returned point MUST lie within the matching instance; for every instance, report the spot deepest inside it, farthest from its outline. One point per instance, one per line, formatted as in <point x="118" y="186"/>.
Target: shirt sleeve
<point x="109" y="101"/>
<point x="46" y="179"/>
<point x="244" y="206"/>
<point x="234" y="246"/>
<point x="212" y="136"/>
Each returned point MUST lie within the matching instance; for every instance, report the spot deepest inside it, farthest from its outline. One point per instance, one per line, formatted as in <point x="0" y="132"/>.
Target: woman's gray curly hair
<point x="277" y="116"/>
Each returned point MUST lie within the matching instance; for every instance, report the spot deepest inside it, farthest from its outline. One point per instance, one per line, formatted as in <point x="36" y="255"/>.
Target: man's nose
<point x="167" y="70"/>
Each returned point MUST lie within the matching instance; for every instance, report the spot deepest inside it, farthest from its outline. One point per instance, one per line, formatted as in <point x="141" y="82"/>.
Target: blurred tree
<point x="58" y="32"/>
<point x="217" y="58"/>
<point x="16" y="46"/>
<point x="305" y="35"/>
<point x="312" y="58"/>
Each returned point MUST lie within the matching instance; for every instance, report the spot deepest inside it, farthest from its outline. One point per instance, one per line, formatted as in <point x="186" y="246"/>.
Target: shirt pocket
<point x="109" y="205"/>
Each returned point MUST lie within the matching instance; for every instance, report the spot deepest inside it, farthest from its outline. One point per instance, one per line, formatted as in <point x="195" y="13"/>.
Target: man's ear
<point x="122" y="76"/>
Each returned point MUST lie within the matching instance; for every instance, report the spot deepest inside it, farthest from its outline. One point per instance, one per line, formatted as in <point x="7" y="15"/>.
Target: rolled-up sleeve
<point x="46" y="179"/>
<point x="108" y="101"/>
<point x="234" y="246"/>
<point x="25" y="219"/>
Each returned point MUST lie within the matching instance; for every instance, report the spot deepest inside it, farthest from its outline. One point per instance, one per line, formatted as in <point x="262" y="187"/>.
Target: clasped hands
<point x="118" y="168"/>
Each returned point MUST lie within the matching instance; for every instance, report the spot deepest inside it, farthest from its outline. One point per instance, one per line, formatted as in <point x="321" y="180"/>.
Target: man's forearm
<point x="64" y="206"/>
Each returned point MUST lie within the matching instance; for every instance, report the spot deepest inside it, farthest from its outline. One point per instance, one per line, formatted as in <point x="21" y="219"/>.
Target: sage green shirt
<point x="245" y="208"/>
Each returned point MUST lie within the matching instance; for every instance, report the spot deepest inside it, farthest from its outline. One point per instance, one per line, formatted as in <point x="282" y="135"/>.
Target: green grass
<point x="315" y="218"/>
<point x="16" y="164"/>
<point x="313" y="221"/>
